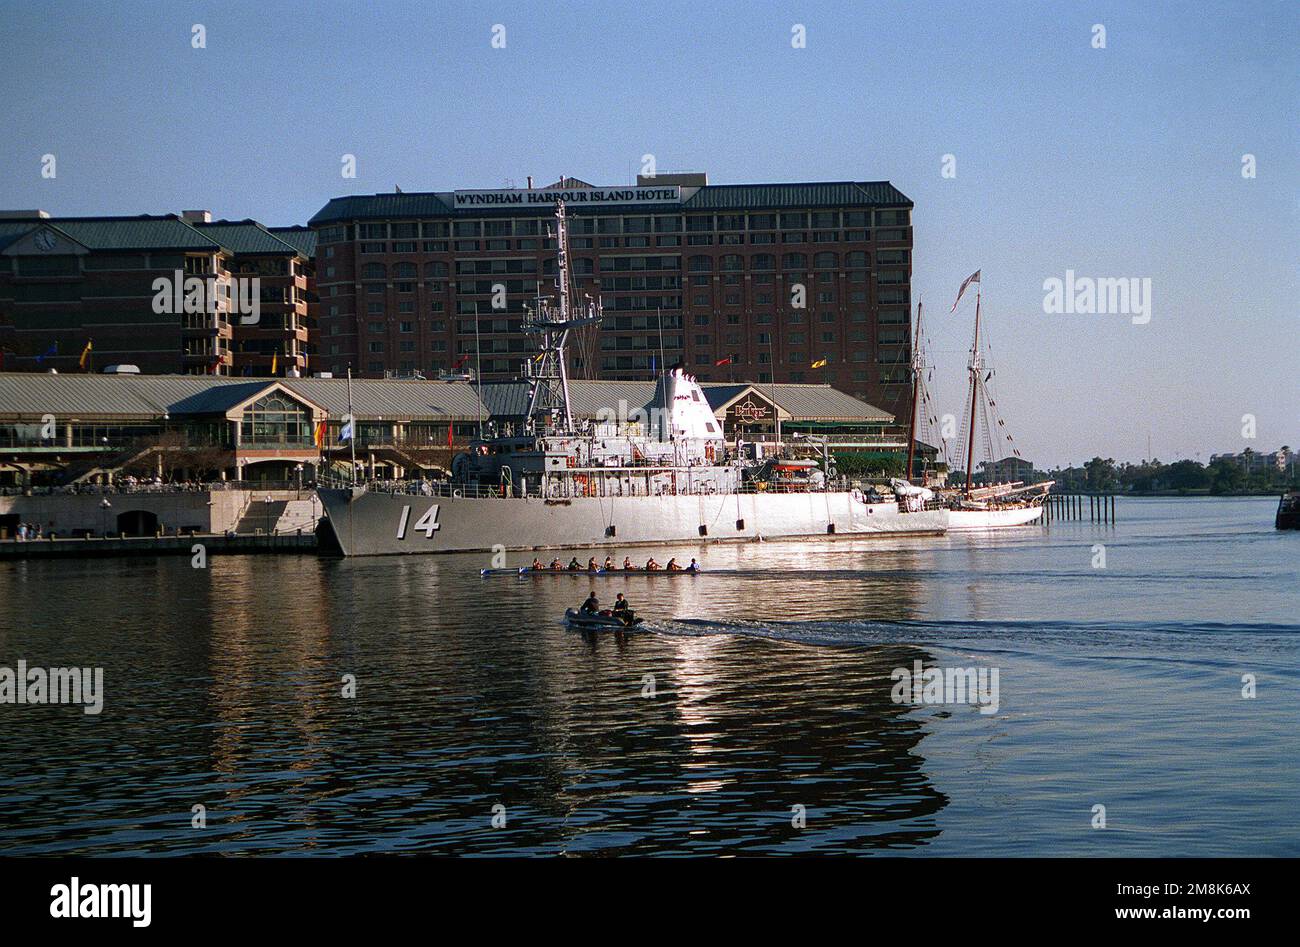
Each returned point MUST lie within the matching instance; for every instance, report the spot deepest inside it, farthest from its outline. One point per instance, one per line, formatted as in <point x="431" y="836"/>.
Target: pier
<point x="1070" y="506"/>
<point x="212" y="543"/>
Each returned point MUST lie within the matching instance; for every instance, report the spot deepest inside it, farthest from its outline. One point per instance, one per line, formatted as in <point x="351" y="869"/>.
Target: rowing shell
<point x="528" y="570"/>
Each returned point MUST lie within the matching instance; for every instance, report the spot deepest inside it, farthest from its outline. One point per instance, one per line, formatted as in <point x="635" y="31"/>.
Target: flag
<point x="973" y="278"/>
<point x="81" y="362"/>
<point x="460" y="361"/>
<point x="274" y="356"/>
<point x="820" y="363"/>
<point x="319" y="435"/>
<point x="725" y="361"/>
<point x="345" y="432"/>
<point x="449" y="427"/>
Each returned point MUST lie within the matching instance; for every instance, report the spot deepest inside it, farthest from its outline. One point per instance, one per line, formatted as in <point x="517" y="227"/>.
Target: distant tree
<point x="1226" y="476"/>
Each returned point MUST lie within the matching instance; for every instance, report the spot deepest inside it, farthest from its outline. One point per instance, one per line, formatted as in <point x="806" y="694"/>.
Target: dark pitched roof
<point x="304" y="238"/>
<point x="133" y="233"/>
<point x="812" y="194"/>
<point x="247" y="236"/>
<point x="706" y="197"/>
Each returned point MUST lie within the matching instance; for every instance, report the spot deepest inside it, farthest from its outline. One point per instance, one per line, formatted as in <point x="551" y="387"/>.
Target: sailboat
<point x="993" y="506"/>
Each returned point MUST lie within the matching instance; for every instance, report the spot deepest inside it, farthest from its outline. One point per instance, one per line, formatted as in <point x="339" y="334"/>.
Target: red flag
<point x="449" y="426"/>
<point x="460" y="361"/>
<point x="724" y="361"/>
<point x="973" y="278"/>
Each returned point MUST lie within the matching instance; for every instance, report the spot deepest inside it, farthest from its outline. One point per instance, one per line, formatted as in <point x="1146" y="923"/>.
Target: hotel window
<point x="698" y="264"/>
<point x="406" y="346"/>
<point x="763" y="318"/>
<point x="438" y="325"/>
<point x="794" y="237"/>
<point x="373" y="271"/>
<point x="376" y="326"/>
<point x="731" y="222"/>
<point x="334" y="310"/>
<point x="795" y="357"/>
<point x="794" y="221"/>
<point x="668" y="224"/>
<point x="375" y="289"/>
<point x="375" y="346"/>
<point x="732" y="299"/>
<point x="828" y="316"/>
<point x="637" y="241"/>
<point x="828" y="336"/>
<point x="891" y="218"/>
<point x="762" y="238"/>
<point x="733" y="320"/>
<point x="406" y="287"/>
<point x="764" y="358"/>
<point x="374" y="367"/>
<point x="702" y="320"/>
<point x="825" y="261"/>
<point x="763" y="299"/>
<point x="826" y="297"/>
<point x="373" y="247"/>
<point x="435" y="246"/>
<point x="404" y="246"/>
<point x="855" y="218"/>
<point x="794" y="261"/>
<point x="406" y="327"/>
<point x="824" y="220"/>
<point x="762" y="221"/>
<point x="608" y="243"/>
<point x="438" y="345"/>
<point x="855" y="260"/>
<point x="375" y="309"/>
<point x="498" y="245"/>
<point x="467" y="228"/>
<point x="672" y="241"/>
<point x="373" y="231"/>
<point x="855" y="236"/>
<point x="697" y="222"/>
<point x="732" y="262"/>
<point x="858" y="296"/>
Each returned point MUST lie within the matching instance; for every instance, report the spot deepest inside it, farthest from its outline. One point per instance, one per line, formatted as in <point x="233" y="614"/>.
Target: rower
<point x="575" y="565"/>
<point x="555" y="564"/>
<point x="591" y="565"/>
<point x="673" y="566"/>
<point x="591" y="606"/>
<point x="609" y="562"/>
<point x="693" y="567"/>
<point x="537" y="564"/>
<point x="627" y="563"/>
<point x="651" y="565"/>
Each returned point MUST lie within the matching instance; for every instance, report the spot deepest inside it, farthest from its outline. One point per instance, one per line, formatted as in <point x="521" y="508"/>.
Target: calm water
<point x="1118" y="686"/>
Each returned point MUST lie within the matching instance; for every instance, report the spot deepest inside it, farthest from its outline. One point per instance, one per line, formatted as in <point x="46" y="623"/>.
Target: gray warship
<point x="660" y="474"/>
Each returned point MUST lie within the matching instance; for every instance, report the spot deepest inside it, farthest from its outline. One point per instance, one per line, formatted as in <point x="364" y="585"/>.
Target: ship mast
<point x="552" y="318"/>
<point x="975" y="370"/>
<point x="918" y="365"/>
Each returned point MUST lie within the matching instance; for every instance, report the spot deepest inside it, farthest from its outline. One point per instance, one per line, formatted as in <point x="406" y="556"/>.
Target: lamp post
<point x="298" y="470"/>
<point x="104" y="507"/>
<point x="266" y="508"/>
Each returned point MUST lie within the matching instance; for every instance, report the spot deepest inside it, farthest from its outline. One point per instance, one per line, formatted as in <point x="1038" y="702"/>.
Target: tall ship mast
<point x="637" y="475"/>
<point x="992" y="506"/>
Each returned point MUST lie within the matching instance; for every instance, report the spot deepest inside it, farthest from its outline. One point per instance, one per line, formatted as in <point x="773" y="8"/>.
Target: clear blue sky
<point x="1123" y="161"/>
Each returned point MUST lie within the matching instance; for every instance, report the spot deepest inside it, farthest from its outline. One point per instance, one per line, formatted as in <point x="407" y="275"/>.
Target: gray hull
<point x="369" y="523"/>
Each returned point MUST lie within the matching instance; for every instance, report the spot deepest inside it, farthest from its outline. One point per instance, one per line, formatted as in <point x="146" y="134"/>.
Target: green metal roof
<point x="707" y="197"/>
<point x="30" y="395"/>
<point x="812" y="194"/>
<point x="304" y="238"/>
<point x="132" y="233"/>
<point x="247" y="236"/>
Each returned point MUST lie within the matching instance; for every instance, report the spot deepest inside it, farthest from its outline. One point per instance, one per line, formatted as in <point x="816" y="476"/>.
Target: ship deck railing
<point x="568" y="490"/>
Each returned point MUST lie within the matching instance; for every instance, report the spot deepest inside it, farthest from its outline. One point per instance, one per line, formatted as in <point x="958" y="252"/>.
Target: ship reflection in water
<point x="760" y="698"/>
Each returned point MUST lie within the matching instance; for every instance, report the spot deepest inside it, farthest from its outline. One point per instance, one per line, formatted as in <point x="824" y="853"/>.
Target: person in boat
<point x="609" y="563"/>
<point x="592" y="566"/>
<point x="651" y="565"/>
<point x="694" y="566"/>
<point x="591" y="606"/>
<point x="575" y="565"/>
<point x="537" y="564"/>
<point x="627" y="564"/>
<point x="622" y="610"/>
<point x="673" y="565"/>
<point x="556" y="565"/>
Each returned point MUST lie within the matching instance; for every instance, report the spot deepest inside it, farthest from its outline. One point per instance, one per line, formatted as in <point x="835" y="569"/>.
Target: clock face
<point x="46" y="240"/>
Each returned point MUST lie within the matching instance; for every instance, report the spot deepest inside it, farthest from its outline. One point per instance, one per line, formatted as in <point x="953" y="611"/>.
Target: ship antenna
<point x="552" y="319"/>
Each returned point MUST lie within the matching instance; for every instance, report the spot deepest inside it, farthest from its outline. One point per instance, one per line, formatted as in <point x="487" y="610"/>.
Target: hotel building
<point x="70" y="282"/>
<point x="756" y="282"/>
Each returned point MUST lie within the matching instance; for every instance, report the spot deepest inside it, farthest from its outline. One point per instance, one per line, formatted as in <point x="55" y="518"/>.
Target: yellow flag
<point x="274" y="358"/>
<point x="820" y="363"/>
<point x="84" y="353"/>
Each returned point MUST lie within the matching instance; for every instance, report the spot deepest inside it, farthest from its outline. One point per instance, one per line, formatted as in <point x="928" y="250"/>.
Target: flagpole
<point x="352" y="421"/>
<point x="916" y="385"/>
<point x="974" y="394"/>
